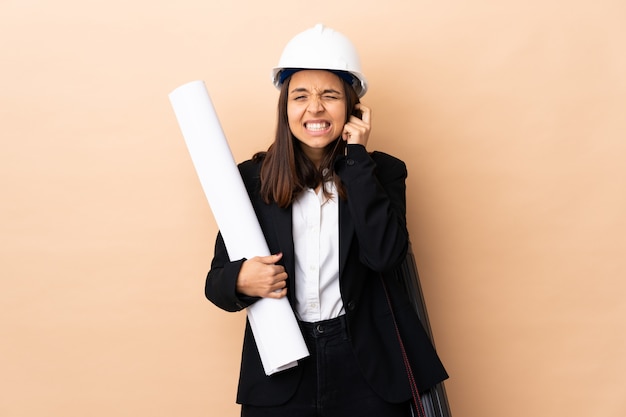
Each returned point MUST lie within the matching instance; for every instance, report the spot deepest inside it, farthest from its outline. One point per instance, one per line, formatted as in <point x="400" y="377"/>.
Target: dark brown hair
<point x="286" y="170"/>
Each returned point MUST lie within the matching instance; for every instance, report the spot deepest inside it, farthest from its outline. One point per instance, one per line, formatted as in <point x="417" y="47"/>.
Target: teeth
<point x="317" y="126"/>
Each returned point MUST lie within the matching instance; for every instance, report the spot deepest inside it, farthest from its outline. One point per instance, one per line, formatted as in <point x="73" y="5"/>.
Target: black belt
<point x="325" y="327"/>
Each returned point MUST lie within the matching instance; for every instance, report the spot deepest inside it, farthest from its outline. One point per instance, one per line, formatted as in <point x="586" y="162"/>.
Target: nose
<point x="315" y="105"/>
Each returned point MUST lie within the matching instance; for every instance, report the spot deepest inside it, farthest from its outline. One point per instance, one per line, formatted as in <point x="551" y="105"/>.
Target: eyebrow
<point x="304" y="90"/>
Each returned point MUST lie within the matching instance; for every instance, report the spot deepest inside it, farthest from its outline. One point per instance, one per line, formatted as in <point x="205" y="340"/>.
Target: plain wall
<point x="509" y="115"/>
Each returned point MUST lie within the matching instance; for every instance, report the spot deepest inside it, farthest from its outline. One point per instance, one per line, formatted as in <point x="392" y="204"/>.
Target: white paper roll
<point x="273" y="323"/>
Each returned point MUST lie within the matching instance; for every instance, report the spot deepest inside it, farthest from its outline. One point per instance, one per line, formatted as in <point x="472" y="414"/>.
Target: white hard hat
<point x="321" y="48"/>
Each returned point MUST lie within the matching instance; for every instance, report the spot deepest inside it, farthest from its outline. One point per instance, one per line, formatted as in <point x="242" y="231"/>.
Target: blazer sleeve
<point x="221" y="281"/>
<point x="376" y="195"/>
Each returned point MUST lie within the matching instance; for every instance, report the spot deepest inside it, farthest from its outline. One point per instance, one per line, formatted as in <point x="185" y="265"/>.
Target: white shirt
<point x="315" y="222"/>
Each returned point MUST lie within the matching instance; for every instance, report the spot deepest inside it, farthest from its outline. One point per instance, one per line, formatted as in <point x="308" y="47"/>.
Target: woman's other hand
<point x="261" y="277"/>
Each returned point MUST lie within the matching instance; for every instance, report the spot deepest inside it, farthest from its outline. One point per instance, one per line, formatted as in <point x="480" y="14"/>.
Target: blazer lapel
<point x="282" y="225"/>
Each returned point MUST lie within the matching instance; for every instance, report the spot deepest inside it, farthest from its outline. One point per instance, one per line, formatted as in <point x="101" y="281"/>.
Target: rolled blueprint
<point x="273" y="322"/>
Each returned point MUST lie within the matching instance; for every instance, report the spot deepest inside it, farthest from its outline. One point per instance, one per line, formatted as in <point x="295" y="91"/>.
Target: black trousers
<point x="332" y="384"/>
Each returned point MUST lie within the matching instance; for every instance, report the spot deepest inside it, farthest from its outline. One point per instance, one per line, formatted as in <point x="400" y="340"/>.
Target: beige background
<point x="510" y="116"/>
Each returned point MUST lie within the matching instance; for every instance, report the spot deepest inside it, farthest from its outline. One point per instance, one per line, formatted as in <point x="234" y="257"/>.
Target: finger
<point x="356" y="132"/>
<point x="270" y="259"/>
<point x="280" y="284"/>
<point x="366" y="113"/>
<point x="345" y="135"/>
<point x="279" y="281"/>
<point x="278" y="293"/>
<point x="356" y="125"/>
<point x="277" y="272"/>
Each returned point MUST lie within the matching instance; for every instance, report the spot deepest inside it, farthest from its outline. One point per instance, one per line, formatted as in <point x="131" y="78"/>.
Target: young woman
<point x="333" y="215"/>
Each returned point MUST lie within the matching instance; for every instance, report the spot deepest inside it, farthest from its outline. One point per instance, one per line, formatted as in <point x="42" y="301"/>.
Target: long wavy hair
<point x="286" y="170"/>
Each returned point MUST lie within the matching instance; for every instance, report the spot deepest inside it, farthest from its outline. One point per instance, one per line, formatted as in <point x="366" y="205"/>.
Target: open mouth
<point x="317" y="126"/>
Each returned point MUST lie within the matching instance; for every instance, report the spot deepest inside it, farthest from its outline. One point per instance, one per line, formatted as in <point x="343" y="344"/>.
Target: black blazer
<point x="373" y="238"/>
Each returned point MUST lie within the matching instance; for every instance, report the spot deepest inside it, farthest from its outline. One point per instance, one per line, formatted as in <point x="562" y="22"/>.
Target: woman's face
<point x="316" y="109"/>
